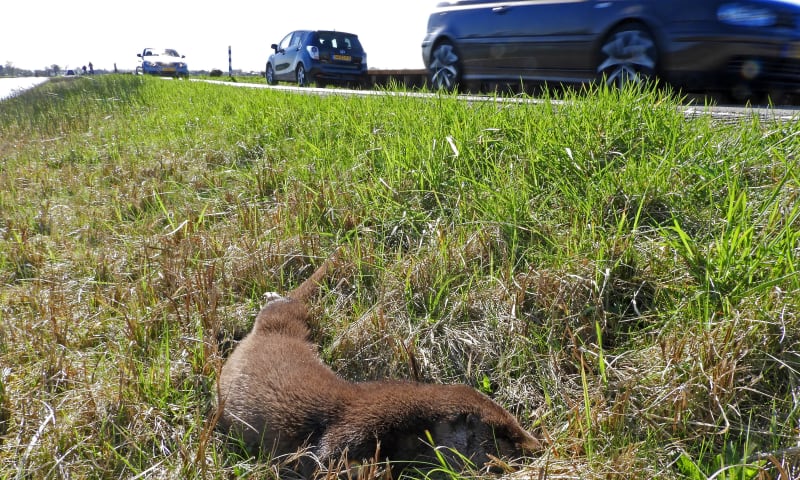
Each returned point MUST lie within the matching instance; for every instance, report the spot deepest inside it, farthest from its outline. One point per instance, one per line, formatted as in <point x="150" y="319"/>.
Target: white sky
<point x="35" y="34"/>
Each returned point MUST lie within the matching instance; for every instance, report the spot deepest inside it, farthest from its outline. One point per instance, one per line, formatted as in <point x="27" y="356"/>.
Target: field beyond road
<point x="621" y="278"/>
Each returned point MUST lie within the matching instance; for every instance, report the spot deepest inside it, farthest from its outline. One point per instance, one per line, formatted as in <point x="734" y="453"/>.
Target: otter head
<point x="476" y="439"/>
<point x="463" y="428"/>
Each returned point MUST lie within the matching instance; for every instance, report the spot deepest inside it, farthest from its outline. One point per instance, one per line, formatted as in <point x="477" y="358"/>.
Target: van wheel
<point x="628" y="55"/>
<point x="445" y="67"/>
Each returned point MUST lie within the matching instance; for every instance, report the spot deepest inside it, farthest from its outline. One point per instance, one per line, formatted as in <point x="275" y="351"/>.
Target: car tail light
<point x="313" y="51"/>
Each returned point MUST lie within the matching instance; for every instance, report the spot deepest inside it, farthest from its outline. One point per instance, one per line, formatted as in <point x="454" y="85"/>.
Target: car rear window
<point x="339" y="41"/>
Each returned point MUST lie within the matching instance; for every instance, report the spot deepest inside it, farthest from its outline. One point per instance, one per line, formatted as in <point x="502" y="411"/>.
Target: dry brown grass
<point x="624" y="280"/>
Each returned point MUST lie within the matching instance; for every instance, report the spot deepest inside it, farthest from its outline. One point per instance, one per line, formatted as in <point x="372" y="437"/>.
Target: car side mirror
<point x="274" y="46"/>
<point x="139" y="55"/>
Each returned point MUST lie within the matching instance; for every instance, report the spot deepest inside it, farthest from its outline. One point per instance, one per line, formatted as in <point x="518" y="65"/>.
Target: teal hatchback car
<point x="318" y="56"/>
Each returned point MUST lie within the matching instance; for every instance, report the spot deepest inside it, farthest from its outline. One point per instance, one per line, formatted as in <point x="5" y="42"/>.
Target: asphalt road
<point x="722" y="113"/>
<point x="11" y="86"/>
<point x="728" y="113"/>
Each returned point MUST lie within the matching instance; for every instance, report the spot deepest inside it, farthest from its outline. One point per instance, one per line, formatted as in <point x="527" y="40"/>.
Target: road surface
<point x="12" y="86"/>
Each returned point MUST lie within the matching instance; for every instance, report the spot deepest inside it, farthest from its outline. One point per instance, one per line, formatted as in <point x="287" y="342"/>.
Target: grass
<point x="620" y="277"/>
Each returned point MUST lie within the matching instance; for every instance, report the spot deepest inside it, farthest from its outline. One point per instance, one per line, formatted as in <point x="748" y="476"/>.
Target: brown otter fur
<point x="276" y="394"/>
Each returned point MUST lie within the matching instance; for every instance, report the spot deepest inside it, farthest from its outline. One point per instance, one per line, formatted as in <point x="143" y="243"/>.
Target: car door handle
<point x="500" y="10"/>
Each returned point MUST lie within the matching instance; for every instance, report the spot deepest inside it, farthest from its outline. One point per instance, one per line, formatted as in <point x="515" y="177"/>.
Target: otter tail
<point x="289" y="315"/>
<point x="310" y="286"/>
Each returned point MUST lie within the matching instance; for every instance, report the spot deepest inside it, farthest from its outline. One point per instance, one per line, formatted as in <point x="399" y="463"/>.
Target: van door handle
<point x="500" y="10"/>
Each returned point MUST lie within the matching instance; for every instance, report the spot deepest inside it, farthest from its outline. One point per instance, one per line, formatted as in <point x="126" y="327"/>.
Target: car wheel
<point x="270" y="75"/>
<point x="445" y="67"/>
<point x="302" y="80"/>
<point x="628" y="55"/>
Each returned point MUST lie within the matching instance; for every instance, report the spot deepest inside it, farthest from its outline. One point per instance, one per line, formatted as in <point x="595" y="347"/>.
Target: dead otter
<point x="278" y="396"/>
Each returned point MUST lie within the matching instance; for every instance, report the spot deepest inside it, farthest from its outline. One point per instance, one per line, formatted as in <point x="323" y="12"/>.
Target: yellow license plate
<point x="344" y="58"/>
<point x="168" y="69"/>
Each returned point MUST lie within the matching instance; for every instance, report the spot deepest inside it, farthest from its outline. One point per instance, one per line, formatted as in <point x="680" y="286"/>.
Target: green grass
<point x="621" y="278"/>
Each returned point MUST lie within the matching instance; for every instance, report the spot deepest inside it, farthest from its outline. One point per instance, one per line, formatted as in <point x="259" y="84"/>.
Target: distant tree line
<point x="54" y="70"/>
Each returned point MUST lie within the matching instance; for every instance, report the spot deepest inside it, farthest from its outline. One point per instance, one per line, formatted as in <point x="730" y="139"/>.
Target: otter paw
<point x="270" y="297"/>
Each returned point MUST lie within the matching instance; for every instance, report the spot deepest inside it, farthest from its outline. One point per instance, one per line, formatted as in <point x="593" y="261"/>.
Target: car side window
<point x="296" y="38"/>
<point x="285" y="42"/>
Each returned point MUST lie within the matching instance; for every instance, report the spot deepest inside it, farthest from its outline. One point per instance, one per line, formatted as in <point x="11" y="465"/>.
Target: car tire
<point x="628" y="56"/>
<point x="270" y="75"/>
<point x="445" y="67"/>
<point x="300" y="76"/>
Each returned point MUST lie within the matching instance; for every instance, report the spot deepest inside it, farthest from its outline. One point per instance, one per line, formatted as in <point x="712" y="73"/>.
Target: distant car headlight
<point x="744" y="15"/>
<point x="149" y="64"/>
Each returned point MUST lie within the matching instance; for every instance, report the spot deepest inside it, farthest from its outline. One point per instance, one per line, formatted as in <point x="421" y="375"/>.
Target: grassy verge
<point x="623" y="279"/>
